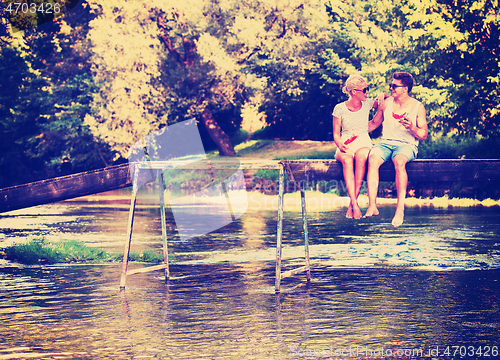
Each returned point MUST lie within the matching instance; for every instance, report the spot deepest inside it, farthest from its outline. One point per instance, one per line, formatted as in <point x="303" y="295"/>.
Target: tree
<point x="22" y="103"/>
<point x="254" y="50"/>
<point x="45" y="102"/>
<point x="126" y="54"/>
<point x="471" y="64"/>
<point x="451" y="47"/>
<point x="217" y="56"/>
<point x="377" y="38"/>
<point x="297" y="103"/>
<point x="196" y="87"/>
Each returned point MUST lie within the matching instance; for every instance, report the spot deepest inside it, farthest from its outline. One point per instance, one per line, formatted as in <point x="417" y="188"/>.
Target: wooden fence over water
<point x="121" y="176"/>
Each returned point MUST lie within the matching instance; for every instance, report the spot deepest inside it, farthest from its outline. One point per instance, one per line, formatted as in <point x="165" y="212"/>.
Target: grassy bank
<point x="40" y="251"/>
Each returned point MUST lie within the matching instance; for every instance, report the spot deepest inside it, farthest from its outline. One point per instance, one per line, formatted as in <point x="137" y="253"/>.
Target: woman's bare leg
<point x="360" y="168"/>
<point x="347" y="160"/>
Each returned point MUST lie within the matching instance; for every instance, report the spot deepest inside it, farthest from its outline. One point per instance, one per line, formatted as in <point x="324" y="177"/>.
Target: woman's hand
<point x="343" y="148"/>
<point x="381" y="98"/>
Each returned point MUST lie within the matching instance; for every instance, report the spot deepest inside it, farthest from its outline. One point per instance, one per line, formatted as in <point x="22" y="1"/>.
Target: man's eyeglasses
<point x="393" y="86"/>
<point x="365" y="90"/>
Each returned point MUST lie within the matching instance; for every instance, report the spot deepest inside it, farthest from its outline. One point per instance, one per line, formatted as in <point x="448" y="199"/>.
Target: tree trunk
<point x="218" y="135"/>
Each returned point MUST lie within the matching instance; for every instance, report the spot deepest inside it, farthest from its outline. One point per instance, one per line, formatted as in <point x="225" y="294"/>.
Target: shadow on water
<point x="231" y="311"/>
<point x="373" y="287"/>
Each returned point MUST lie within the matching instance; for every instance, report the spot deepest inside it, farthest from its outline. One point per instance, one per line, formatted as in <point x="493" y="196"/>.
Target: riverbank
<point x="315" y="201"/>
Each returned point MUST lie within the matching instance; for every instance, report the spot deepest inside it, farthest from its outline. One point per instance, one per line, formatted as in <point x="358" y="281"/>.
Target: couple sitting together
<point x="404" y="124"/>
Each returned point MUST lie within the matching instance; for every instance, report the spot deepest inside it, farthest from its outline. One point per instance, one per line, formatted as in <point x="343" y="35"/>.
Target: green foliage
<point x="267" y="174"/>
<point x="240" y="137"/>
<point x="301" y="116"/>
<point x="147" y="256"/>
<point x="125" y="56"/>
<point x="35" y="251"/>
<point x="22" y="105"/>
<point x="376" y="38"/>
<point x="75" y="251"/>
<point x="451" y="48"/>
<point x="446" y="147"/>
<point x="273" y="175"/>
<point x="40" y="251"/>
<point x="471" y="65"/>
<point x="213" y="57"/>
<point x="75" y="93"/>
<point x="42" y="110"/>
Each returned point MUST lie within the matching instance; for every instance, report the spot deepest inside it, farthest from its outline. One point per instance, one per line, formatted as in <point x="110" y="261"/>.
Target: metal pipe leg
<point x="163" y="224"/>
<point x="306" y="233"/>
<point x="280" y="228"/>
<point x="126" y="252"/>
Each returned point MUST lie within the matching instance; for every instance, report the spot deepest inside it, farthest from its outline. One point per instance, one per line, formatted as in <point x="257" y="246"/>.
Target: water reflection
<point x="373" y="286"/>
<point x="231" y="311"/>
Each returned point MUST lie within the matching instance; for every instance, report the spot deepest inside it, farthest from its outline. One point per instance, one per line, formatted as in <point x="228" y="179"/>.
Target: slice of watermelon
<point x="351" y="139"/>
<point x="398" y="117"/>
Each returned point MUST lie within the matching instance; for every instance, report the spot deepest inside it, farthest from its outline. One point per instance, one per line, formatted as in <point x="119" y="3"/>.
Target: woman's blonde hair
<point x="352" y="83"/>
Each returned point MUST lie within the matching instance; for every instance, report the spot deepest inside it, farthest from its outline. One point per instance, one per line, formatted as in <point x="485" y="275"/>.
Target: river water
<point x="430" y="287"/>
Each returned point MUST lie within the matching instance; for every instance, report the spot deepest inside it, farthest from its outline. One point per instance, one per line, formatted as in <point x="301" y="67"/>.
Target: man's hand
<point x="407" y="123"/>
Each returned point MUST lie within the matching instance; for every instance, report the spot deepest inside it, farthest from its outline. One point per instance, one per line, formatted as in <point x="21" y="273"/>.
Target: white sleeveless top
<point x="353" y="122"/>
<point x="393" y="131"/>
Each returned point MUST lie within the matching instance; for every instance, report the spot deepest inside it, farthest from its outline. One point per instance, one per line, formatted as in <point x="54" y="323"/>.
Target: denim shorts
<point x="386" y="149"/>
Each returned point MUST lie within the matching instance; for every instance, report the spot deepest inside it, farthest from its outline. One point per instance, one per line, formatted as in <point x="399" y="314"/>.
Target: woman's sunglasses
<point x="365" y="90"/>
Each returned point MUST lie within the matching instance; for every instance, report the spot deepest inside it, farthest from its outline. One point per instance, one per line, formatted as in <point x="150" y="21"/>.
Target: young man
<point x="404" y="124"/>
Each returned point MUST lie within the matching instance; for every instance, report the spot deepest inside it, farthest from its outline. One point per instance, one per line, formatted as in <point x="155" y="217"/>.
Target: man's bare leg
<point x="372" y="179"/>
<point x="401" y="184"/>
<point x="347" y="160"/>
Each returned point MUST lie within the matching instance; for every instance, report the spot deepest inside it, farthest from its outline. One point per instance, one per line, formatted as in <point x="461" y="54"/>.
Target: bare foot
<point x="398" y="218"/>
<point x="354" y="211"/>
<point x="372" y="211"/>
<point x="349" y="213"/>
<point x="357" y="212"/>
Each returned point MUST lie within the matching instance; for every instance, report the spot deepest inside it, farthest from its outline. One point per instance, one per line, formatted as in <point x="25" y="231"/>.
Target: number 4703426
<point x="471" y="351"/>
<point x="33" y="8"/>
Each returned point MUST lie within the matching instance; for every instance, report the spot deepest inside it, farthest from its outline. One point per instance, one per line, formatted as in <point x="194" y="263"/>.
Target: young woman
<point x="351" y="126"/>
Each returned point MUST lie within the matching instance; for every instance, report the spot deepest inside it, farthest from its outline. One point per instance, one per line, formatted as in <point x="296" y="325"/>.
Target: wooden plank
<point x="294" y="271"/>
<point x="147" y="269"/>
<point x="215" y="164"/>
<point x="116" y="177"/>
<point x="65" y="187"/>
<point x="110" y="178"/>
<point x="418" y="170"/>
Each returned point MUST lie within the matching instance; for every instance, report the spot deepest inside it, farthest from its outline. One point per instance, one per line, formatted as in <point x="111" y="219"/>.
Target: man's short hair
<point x="405" y="78"/>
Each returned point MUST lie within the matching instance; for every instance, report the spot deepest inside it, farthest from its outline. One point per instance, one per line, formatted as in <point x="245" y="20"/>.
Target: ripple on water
<point x="367" y="287"/>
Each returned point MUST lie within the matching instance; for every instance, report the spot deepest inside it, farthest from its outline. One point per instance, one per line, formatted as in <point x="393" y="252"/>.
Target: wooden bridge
<point x="121" y="176"/>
